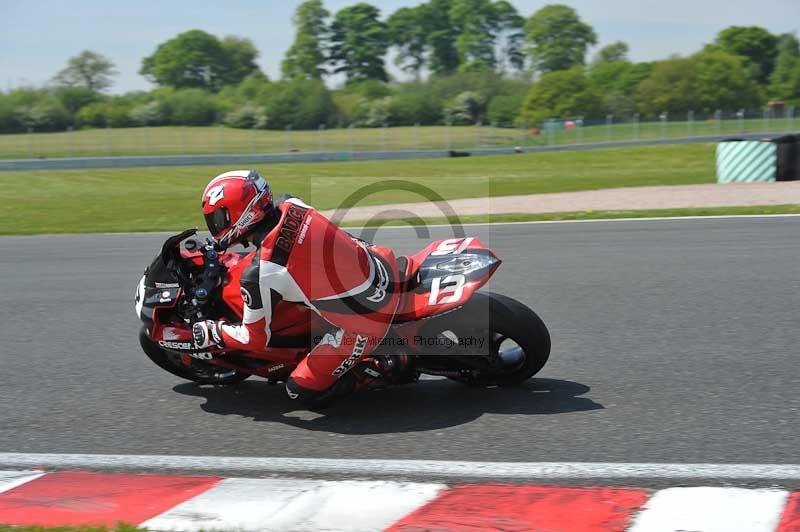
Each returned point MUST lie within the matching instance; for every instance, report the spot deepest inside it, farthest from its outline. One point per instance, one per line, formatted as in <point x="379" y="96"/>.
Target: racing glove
<point x="207" y="335"/>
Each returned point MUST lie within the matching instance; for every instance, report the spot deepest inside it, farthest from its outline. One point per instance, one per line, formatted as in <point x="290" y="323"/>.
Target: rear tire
<point x="527" y="329"/>
<point x="497" y="318"/>
<point x="199" y="371"/>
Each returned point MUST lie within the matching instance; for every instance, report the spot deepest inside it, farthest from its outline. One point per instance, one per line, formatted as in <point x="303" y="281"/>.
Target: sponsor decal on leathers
<point x="246" y="297"/>
<point x="358" y="350"/>
<point x="383" y="283"/>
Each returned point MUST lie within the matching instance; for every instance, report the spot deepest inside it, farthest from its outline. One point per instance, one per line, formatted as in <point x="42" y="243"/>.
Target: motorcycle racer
<point x="302" y="258"/>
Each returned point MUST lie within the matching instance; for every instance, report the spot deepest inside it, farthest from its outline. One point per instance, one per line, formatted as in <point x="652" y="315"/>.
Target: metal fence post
<point x="664" y="117"/>
<point x="765" y="122"/>
<point x="740" y="116"/>
<point x="449" y="135"/>
<point x="69" y="142"/>
<point x="791" y="118"/>
<point x="109" y="148"/>
<point x="321" y="130"/>
<point x="580" y="130"/>
<point x="352" y="136"/>
<point x="384" y="135"/>
<point x="30" y="142"/>
<point x="690" y="123"/>
<point x="718" y="120"/>
<point x="145" y="140"/>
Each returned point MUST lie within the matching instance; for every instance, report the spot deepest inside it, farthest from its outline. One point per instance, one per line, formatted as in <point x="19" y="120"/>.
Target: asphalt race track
<point x="673" y="341"/>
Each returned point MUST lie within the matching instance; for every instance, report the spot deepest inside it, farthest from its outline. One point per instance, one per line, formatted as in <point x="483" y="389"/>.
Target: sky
<point x="38" y="36"/>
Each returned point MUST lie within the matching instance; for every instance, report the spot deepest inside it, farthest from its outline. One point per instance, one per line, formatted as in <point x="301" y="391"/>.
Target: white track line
<point x="711" y="510"/>
<point x="402" y="468"/>
<point x="604" y="220"/>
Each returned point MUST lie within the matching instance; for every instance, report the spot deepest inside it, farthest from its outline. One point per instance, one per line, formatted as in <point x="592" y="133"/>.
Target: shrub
<point x="504" y="110"/>
<point x="414" y="107"/>
<point x="190" y="107"/>
<point x="247" y="116"/>
<point x="300" y="104"/>
<point x="147" y="114"/>
<point x="466" y="108"/>
<point x="102" y="114"/>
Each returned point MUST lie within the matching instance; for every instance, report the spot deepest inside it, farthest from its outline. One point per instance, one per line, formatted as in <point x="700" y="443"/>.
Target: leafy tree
<point x="509" y="31"/>
<point x="475" y="43"/>
<point x="73" y="98"/>
<point x="442" y="35"/>
<point x="670" y="87"/>
<point x="561" y="94"/>
<point x="617" y="82"/>
<point x="723" y="82"/>
<point x="481" y="24"/>
<point x="306" y="57"/>
<point x="788" y="44"/>
<point x="359" y="41"/>
<point x="706" y="81"/>
<point x="612" y="53"/>
<point x="241" y="54"/>
<point x="784" y="83"/>
<point x="754" y="43"/>
<point x="409" y="30"/>
<point x="557" y="38"/>
<point x="87" y="69"/>
<point x="196" y="59"/>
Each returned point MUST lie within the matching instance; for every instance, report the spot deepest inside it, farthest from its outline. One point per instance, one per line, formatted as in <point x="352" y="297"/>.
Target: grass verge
<point x="168" y="198"/>
<point x="180" y="140"/>
<point x="589" y="215"/>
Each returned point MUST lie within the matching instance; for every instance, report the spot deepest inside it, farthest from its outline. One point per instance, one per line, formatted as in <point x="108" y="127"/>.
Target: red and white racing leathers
<point x="306" y="259"/>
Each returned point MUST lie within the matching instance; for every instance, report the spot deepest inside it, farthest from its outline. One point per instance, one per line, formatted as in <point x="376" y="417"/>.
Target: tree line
<point x="466" y="61"/>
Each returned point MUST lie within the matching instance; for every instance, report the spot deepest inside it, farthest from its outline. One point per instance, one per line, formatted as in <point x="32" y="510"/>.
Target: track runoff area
<point x="246" y="493"/>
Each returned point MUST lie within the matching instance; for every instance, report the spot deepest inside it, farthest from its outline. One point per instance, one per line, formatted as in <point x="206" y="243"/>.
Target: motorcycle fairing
<point x="444" y="276"/>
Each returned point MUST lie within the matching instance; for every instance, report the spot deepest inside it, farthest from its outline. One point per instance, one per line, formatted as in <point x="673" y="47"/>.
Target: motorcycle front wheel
<point x="197" y="371"/>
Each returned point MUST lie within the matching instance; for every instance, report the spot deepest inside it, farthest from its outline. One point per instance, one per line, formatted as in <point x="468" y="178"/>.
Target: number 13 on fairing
<point x="451" y="287"/>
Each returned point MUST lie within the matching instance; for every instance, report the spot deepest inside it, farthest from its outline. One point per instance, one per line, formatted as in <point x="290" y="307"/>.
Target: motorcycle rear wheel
<point x="500" y="321"/>
<point x="198" y="371"/>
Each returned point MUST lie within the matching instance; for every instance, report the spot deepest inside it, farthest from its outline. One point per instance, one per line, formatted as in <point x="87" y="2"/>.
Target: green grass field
<point x="170" y="140"/>
<point x="168" y="198"/>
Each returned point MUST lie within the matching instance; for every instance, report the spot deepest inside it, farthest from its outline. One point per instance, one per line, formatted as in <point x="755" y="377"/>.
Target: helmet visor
<point x="218" y="221"/>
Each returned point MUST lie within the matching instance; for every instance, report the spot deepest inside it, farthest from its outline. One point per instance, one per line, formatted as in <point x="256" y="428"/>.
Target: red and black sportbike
<point x="443" y="325"/>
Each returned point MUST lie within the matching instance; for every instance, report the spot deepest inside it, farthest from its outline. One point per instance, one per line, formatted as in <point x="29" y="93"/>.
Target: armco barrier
<point x="306" y="157"/>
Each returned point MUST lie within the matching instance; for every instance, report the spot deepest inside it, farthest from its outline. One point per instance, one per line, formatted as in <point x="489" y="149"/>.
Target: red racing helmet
<point x="234" y="203"/>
